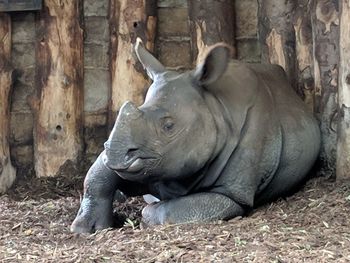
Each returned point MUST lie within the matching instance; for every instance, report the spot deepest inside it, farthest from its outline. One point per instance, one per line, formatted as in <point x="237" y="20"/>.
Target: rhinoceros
<point x="209" y="144"/>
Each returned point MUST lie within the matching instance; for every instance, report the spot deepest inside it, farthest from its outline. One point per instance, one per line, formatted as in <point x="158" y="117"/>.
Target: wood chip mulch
<point x="313" y="225"/>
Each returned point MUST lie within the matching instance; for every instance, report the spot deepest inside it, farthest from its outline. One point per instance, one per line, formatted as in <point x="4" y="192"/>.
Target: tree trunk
<point x="211" y="22"/>
<point x="7" y="171"/>
<point x="277" y="37"/>
<point x="58" y="105"/>
<point x="129" y="20"/>
<point x="325" y="28"/>
<point x="304" y="48"/>
<point x="343" y="151"/>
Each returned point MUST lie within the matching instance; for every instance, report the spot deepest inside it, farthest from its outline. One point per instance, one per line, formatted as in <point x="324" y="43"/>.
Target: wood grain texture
<point x="304" y="52"/>
<point x="7" y="171"/>
<point x="325" y="26"/>
<point x="129" y="20"/>
<point x="277" y="37"/>
<point x="58" y="104"/>
<point x="210" y="22"/>
<point x="343" y="144"/>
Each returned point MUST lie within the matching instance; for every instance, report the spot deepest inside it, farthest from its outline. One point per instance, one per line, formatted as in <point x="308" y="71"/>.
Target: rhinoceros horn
<point x="148" y="61"/>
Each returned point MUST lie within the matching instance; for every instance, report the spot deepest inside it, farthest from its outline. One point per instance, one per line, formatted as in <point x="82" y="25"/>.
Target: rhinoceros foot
<point x="153" y="214"/>
<point x="93" y="217"/>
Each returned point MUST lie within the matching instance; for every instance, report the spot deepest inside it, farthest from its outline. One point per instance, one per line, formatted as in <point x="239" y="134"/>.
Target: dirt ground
<point x="311" y="226"/>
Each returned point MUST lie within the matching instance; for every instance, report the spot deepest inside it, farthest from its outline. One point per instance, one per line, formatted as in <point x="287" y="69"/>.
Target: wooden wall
<point x="69" y="66"/>
<point x="66" y="69"/>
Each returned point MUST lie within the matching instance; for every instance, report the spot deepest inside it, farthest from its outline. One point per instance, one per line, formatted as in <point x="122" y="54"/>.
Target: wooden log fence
<point x="308" y="38"/>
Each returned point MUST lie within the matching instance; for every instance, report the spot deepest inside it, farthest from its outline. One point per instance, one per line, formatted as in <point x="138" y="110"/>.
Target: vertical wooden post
<point x="114" y="13"/>
<point x="210" y="22"/>
<point x="343" y="149"/>
<point x="325" y="26"/>
<point x="276" y="34"/>
<point x="129" y="19"/>
<point x="7" y="171"/>
<point x="58" y="105"/>
<point x="304" y="52"/>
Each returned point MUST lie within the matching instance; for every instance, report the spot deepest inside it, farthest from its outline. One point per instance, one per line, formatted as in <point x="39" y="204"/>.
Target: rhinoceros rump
<point x="209" y="144"/>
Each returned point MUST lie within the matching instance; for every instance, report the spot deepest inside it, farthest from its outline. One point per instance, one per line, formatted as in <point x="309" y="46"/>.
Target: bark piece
<point x="7" y="171"/>
<point x="58" y="105"/>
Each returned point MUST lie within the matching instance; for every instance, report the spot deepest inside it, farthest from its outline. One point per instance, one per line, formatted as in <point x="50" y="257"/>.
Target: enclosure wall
<point x="172" y="45"/>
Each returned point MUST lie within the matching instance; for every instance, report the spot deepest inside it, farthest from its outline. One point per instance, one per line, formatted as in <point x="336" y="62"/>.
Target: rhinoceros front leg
<point x="200" y="207"/>
<point x="96" y="208"/>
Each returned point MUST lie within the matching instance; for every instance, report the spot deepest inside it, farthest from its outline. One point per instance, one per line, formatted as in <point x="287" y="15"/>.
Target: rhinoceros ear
<point x="214" y="64"/>
<point x="148" y="61"/>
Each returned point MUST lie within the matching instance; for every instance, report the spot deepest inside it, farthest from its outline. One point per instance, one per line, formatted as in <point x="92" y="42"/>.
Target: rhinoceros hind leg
<point x="200" y="207"/>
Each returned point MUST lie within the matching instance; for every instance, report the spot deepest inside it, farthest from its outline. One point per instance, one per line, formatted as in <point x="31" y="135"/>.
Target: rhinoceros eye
<point x="168" y="125"/>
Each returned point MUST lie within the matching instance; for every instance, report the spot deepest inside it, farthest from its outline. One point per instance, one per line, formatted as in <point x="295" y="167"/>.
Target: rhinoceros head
<point x="173" y="134"/>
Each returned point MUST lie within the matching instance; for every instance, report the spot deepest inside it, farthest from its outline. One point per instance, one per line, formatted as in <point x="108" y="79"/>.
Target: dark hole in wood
<point x="347" y="79"/>
<point x="135" y="24"/>
<point x="58" y="128"/>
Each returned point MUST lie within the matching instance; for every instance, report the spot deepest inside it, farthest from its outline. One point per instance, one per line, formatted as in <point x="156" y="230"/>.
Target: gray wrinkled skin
<point x="209" y="144"/>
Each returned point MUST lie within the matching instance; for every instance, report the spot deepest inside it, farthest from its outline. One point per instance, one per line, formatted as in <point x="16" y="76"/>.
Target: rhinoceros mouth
<point x="139" y="169"/>
<point x="135" y="168"/>
<point x="135" y="165"/>
<point x="132" y="166"/>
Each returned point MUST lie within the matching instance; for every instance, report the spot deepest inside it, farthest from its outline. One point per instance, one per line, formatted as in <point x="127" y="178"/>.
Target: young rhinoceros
<point x="209" y="144"/>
